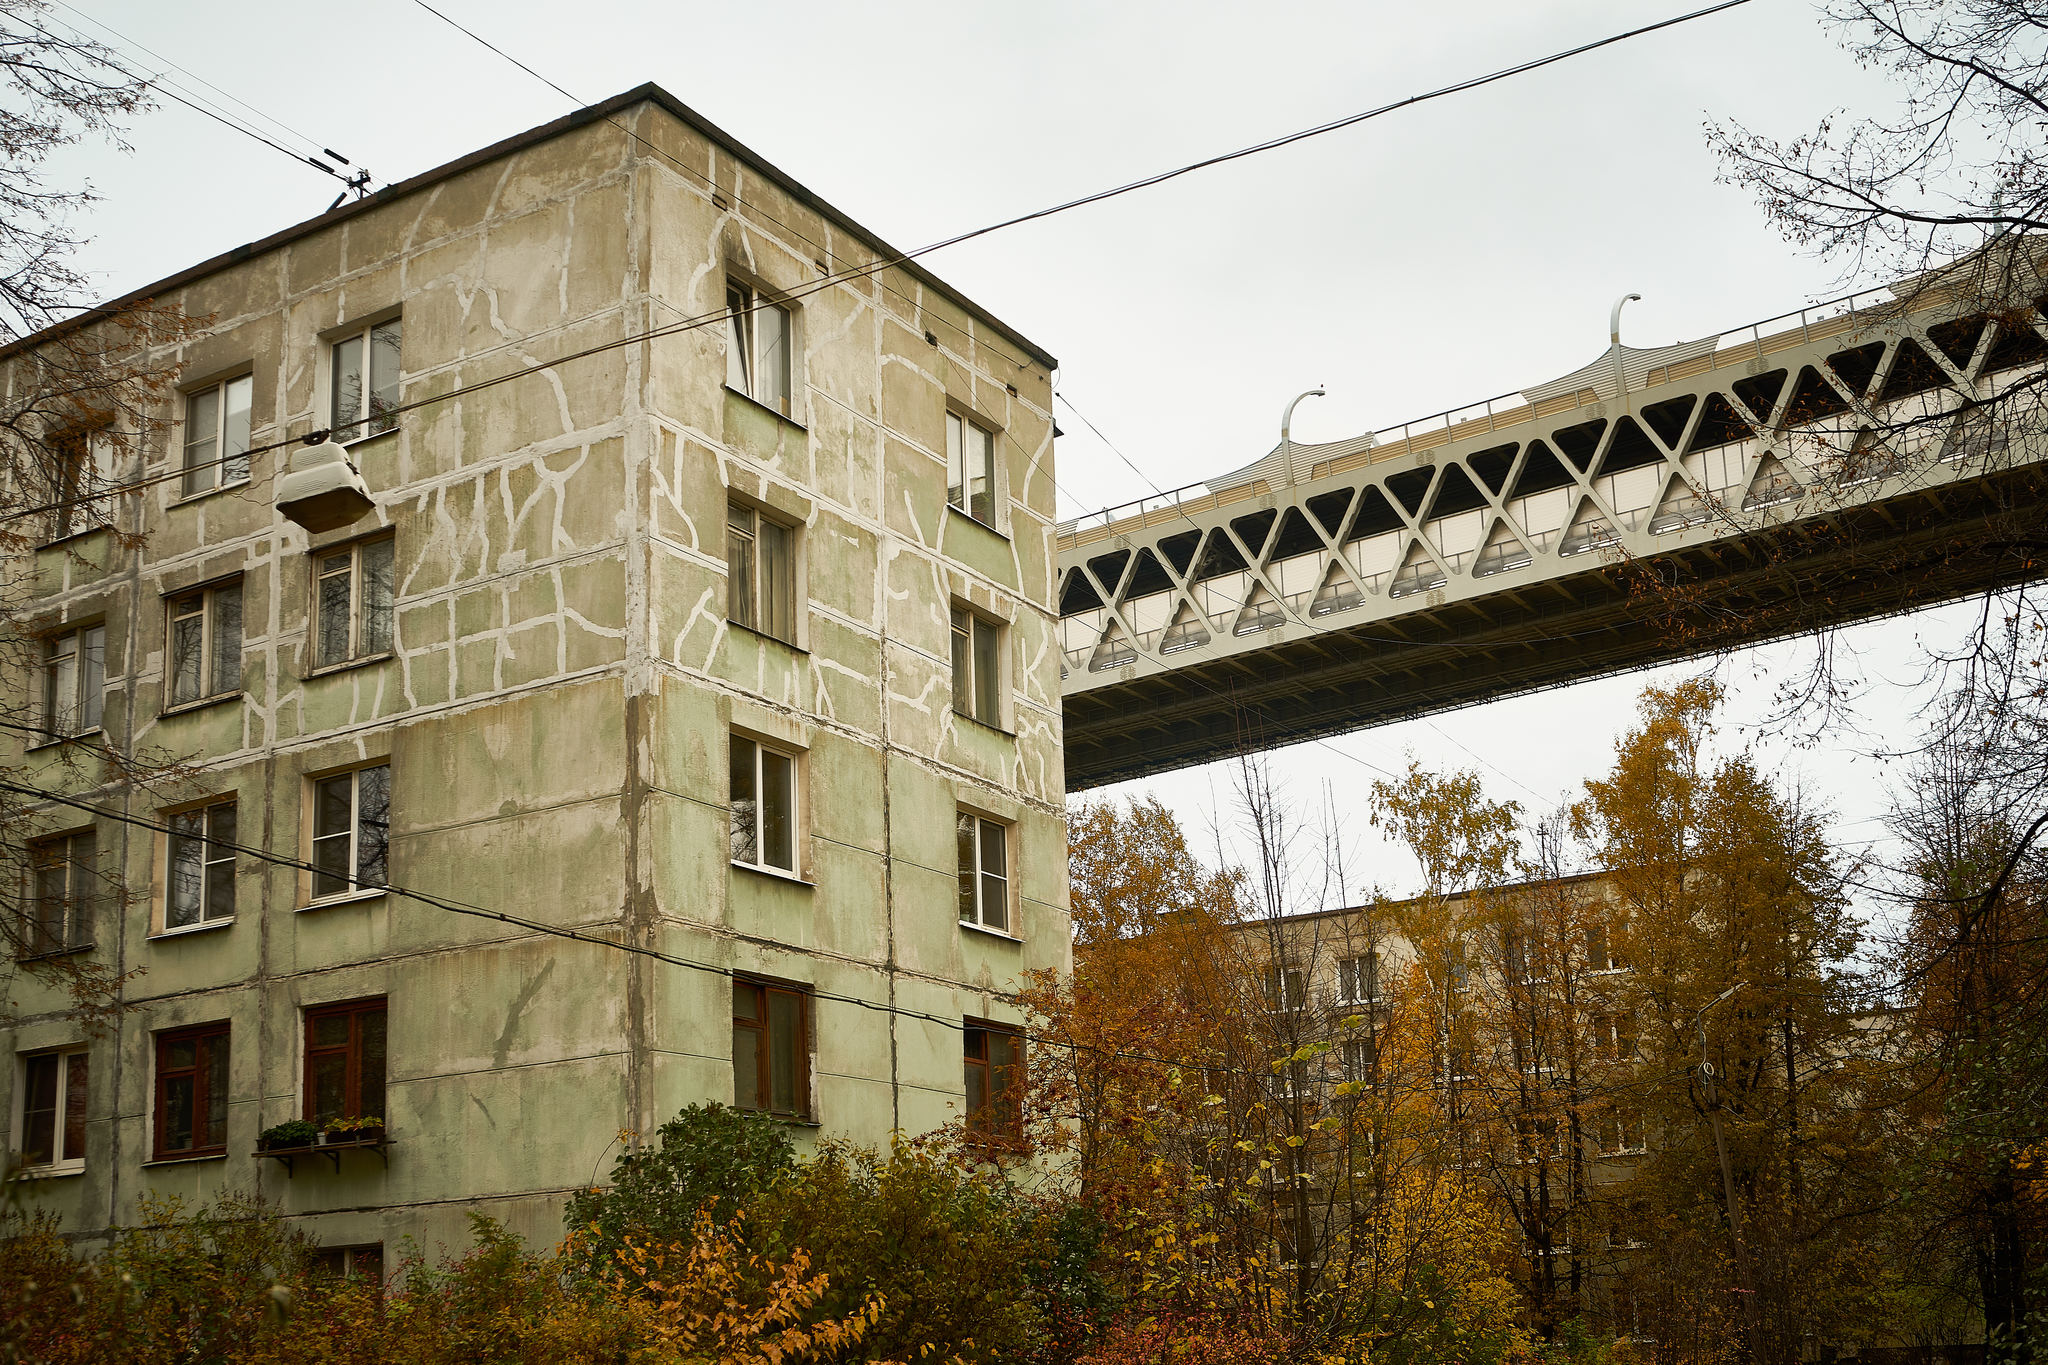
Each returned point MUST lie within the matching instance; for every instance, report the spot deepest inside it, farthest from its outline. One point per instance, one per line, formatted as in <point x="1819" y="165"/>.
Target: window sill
<point x="989" y="726"/>
<point x="238" y="486"/>
<point x="348" y="898"/>
<point x="206" y="926"/>
<point x="790" y="645"/>
<point x="957" y="510"/>
<point x="776" y="413"/>
<point x="352" y="442"/>
<point x="53" y="741"/>
<point x="1002" y="934"/>
<point x="186" y="1158"/>
<point x="60" y="1172"/>
<point x="775" y="872"/>
<point x="70" y="536"/>
<point x="187" y="707"/>
<point x="346" y="664"/>
<point x="56" y="953"/>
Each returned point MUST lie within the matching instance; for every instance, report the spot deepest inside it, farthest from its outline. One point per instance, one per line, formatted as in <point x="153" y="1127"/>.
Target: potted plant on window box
<point x="360" y="1130"/>
<point x="287" y="1136"/>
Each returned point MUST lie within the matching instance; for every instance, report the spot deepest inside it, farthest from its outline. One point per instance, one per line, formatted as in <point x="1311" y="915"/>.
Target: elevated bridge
<point x="1835" y="464"/>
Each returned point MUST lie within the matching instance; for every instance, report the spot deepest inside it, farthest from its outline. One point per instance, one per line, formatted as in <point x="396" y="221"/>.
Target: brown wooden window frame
<point x="206" y="1038"/>
<point x="762" y="1024"/>
<point x="352" y="1051"/>
<point x="1002" y="1084"/>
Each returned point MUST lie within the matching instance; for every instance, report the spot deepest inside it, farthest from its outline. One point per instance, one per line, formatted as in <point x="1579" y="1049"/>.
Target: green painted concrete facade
<point x="558" y="707"/>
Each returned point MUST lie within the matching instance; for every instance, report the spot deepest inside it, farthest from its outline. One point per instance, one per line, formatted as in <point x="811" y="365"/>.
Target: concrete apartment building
<point x="736" y="643"/>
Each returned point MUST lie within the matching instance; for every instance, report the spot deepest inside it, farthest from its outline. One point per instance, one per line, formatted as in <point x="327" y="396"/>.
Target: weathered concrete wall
<point x="557" y="707"/>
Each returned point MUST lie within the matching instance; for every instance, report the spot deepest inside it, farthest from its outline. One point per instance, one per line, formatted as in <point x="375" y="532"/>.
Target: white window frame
<point x="197" y="826"/>
<point x="351" y="839"/>
<point x="85" y="649"/>
<point x="63" y="1161"/>
<point x="987" y="893"/>
<point x="1361" y="1058"/>
<point x="83" y="471"/>
<point x="748" y="313"/>
<point x="218" y="458"/>
<point x="179" y="609"/>
<point x="80" y="898"/>
<point x="969" y="442"/>
<point x="372" y="418"/>
<point x="753" y="595"/>
<point x="1358" y="978"/>
<point x="1286" y="989"/>
<point x="359" y="639"/>
<point x="757" y="758"/>
<point x="978" y="658"/>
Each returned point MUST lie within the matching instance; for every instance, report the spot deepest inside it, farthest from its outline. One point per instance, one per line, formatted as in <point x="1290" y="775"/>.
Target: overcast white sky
<point x="1430" y="258"/>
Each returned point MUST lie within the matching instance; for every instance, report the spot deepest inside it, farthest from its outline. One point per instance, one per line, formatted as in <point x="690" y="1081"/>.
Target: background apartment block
<point x="735" y="643"/>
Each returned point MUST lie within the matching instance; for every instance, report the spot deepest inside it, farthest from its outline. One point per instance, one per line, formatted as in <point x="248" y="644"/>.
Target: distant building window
<point x="764" y="813"/>
<point x="1603" y="953"/>
<point x="984" y="847"/>
<point x="994" y="1058"/>
<point x="1621" y="1131"/>
<point x="1286" y="988"/>
<point x="757" y="346"/>
<point x="1358" y="978"/>
<point x="74" y="681"/>
<point x="971" y="468"/>
<point x="345" y="1061"/>
<point x="201" y="874"/>
<point x="81" y="480"/>
<point x="760" y="566"/>
<point x="977" y="667"/>
<point x="352" y="602"/>
<point x="65" y="878"/>
<point x="1361" y="1060"/>
<point x="192" y="1092"/>
<point x="364" y="1262"/>
<point x="1614" y="1035"/>
<point x="53" y="1092"/>
<point x="770" y="1049"/>
<point x="206" y="644"/>
<point x="217" y="436"/>
<point x="365" y="381"/>
<point x="351" y="831"/>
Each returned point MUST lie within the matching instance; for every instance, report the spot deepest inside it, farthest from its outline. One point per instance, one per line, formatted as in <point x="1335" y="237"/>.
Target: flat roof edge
<point x="648" y="93"/>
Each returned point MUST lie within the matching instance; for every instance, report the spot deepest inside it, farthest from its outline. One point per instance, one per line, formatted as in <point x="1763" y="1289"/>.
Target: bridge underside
<point x="1911" y="551"/>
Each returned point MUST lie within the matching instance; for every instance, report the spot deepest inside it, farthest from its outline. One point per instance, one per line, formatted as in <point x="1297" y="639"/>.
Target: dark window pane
<point x="374" y="631"/>
<point x="746" y="1067"/>
<point x="330" y="1030"/>
<point x="968" y="866"/>
<point x="39" y="1111"/>
<point x="778" y="580"/>
<point x="746" y="843"/>
<point x="778" y="818"/>
<point x="186" y="874"/>
<point x="74" y="1107"/>
<point x="216" y="1050"/>
<point x="329" y="1098"/>
<point x="370" y="1073"/>
<point x="333" y="610"/>
<point x="785" y="1036"/>
<point x="373" y="821"/>
<point x="175" y="1123"/>
<point x="963" y="667"/>
<point x="988" y="673"/>
<point x="224" y="669"/>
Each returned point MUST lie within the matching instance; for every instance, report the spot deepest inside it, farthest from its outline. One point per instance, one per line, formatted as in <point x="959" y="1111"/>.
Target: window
<point x="53" y="1112"/>
<point x="1602" y="953"/>
<point x="60" y="911"/>
<point x="206" y="644"/>
<point x="351" y="831"/>
<point x="1621" y="1131"/>
<point x="217" y="436"/>
<point x="995" y="1081"/>
<point x="971" y="468"/>
<point x="760" y="573"/>
<point x="192" y="1092"/>
<point x="352" y="602"/>
<point x="1286" y="988"/>
<point x="1358" y="979"/>
<point x="345" y="1061"/>
<point x="365" y="381"/>
<point x="770" y="1049"/>
<point x="984" y="872"/>
<point x="977" y="667"/>
<point x="74" y="681"/>
<point x="1361" y="1060"/>
<point x="763" y="806"/>
<point x="82" y="477"/>
<point x="757" y="346"/>
<point x="200" y="885"/>
<point x="351" y="1263"/>
<point x="1614" y="1035"/>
